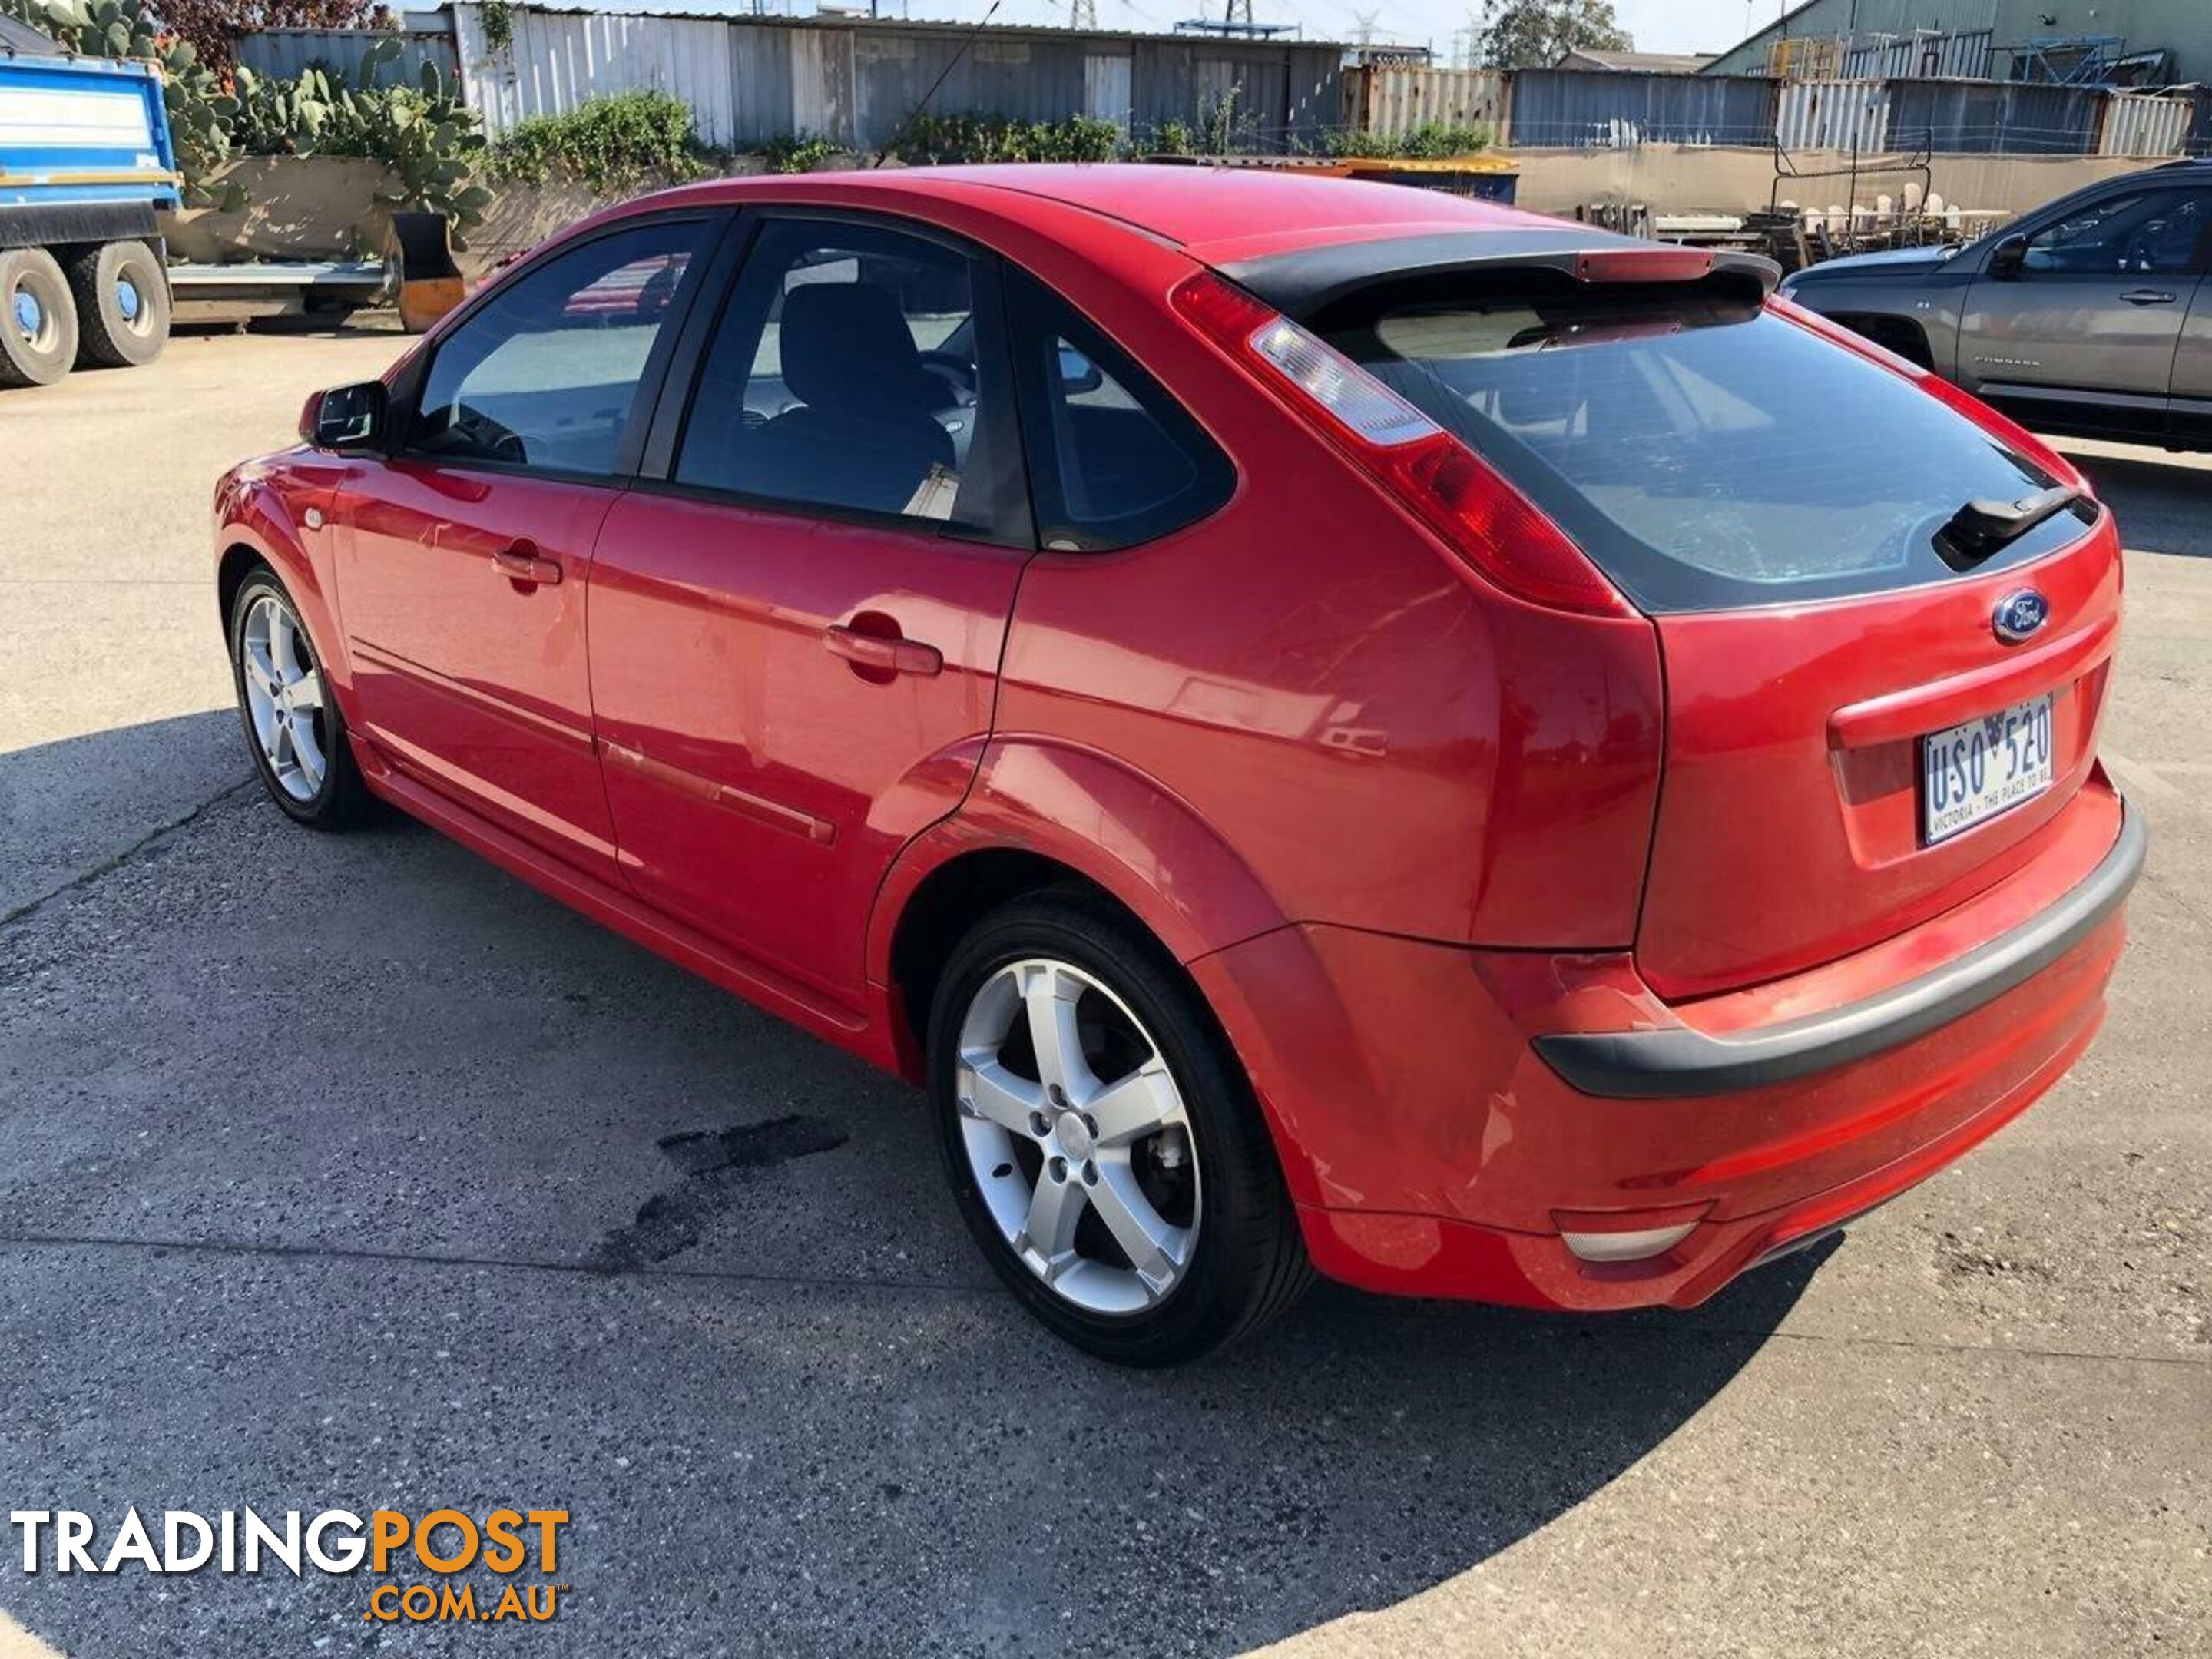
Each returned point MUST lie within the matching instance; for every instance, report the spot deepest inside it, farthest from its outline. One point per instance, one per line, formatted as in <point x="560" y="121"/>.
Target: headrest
<point x="846" y="348"/>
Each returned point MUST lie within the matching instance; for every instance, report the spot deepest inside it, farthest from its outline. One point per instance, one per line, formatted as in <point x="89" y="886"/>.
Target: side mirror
<point x="346" y="418"/>
<point x="2008" y="257"/>
<point x="1078" y="374"/>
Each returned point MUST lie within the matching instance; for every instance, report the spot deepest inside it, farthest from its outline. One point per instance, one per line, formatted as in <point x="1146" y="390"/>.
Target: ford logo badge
<point x="2019" y="615"/>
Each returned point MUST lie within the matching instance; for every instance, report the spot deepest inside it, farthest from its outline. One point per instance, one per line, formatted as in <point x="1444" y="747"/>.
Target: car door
<point x="2189" y="409"/>
<point x="2072" y="325"/>
<point x="464" y="556"/>
<point x="797" y="614"/>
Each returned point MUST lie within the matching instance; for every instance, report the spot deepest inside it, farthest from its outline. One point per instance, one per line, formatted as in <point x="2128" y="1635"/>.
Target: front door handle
<point x="2147" y="296"/>
<point x="874" y="654"/>
<point x="521" y="563"/>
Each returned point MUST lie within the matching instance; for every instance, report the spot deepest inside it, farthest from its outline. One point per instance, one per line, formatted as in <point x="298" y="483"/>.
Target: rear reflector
<point x="1626" y="1246"/>
<point x="1482" y="517"/>
<point x="1627" y="1235"/>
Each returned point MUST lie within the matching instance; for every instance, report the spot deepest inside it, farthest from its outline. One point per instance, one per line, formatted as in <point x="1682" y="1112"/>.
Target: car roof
<point x="1216" y="214"/>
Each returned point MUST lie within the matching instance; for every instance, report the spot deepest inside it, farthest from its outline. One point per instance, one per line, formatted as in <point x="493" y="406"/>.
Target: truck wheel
<point x="122" y="304"/>
<point x="37" y="319"/>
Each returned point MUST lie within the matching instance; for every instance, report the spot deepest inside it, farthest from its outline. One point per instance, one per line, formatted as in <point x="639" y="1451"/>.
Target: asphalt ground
<point x="349" y="1172"/>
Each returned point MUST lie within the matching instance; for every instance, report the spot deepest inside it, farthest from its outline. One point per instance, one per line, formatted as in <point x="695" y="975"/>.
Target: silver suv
<point x="2089" y="316"/>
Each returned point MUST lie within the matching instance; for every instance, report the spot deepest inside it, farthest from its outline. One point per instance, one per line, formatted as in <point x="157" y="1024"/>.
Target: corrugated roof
<point x="935" y="26"/>
<point x="1645" y="62"/>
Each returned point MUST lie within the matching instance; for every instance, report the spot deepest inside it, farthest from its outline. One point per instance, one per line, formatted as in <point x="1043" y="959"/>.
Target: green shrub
<point x="798" y="152"/>
<point x="931" y="139"/>
<point x="606" y="143"/>
<point x="1431" y="140"/>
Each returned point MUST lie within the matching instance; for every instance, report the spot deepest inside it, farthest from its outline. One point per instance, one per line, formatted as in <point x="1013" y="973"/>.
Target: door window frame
<point x="714" y="252"/>
<point x="1006" y="521"/>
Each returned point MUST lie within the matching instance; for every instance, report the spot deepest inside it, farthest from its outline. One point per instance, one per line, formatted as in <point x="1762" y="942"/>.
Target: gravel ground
<point x="349" y="1172"/>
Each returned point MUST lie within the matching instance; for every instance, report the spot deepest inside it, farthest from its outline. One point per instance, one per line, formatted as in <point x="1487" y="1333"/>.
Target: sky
<point x="1657" y="24"/>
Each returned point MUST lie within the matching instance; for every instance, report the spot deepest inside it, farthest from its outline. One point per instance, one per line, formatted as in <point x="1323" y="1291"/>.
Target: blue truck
<point x="86" y="164"/>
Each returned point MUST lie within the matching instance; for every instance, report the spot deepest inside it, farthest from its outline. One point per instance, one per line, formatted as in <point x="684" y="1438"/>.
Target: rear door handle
<point x="2147" y="296"/>
<point x="521" y="563"/>
<point x="874" y="651"/>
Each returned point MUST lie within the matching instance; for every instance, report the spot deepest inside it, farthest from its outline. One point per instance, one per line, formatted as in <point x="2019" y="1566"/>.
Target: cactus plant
<point x="424" y="133"/>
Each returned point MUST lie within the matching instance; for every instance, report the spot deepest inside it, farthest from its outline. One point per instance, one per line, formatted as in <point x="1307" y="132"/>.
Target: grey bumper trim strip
<point x="1678" y="1063"/>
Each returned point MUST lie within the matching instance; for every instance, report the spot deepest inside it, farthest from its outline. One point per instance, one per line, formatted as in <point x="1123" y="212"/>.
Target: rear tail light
<point x="1477" y="513"/>
<point x="2006" y="430"/>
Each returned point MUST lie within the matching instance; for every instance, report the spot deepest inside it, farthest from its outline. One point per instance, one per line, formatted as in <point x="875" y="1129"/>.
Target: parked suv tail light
<point x="1478" y="514"/>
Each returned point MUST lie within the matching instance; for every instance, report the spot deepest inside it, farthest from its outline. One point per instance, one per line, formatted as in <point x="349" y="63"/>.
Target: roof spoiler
<point x="1299" y="284"/>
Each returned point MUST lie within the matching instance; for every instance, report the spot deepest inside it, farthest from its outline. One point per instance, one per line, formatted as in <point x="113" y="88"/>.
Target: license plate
<point x="1972" y="772"/>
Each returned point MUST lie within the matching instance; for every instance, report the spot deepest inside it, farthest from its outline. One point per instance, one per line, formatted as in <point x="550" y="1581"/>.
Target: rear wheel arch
<point x="1041" y="813"/>
<point x="948" y="902"/>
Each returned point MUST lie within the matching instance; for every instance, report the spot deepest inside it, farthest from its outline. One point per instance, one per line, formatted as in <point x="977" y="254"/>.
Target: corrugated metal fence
<point x="2008" y="117"/>
<point x="556" y="60"/>
<point x="1388" y="101"/>
<point x="1919" y="54"/>
<point x="1614" y="110"/>
<point x="749" y="79"/>
<point x="853" y="82"/>
<point x="284" y="54"/>
<point x="1833" y="115"/>
<point x="2145" y="124"/>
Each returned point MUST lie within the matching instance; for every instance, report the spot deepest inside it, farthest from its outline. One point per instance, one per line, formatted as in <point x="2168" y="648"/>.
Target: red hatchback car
<point x="1332" y="728"/>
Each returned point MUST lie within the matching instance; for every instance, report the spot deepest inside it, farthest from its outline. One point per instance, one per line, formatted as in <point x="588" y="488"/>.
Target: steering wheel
<point x="958" y="370"/>
<point x="485" y="437"/>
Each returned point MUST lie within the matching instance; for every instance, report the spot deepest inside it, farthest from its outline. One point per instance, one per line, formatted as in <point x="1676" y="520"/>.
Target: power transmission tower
<point x="1240" y="11"/>
<point x="1362" y="27"/>
<point x="1083" y="13"/>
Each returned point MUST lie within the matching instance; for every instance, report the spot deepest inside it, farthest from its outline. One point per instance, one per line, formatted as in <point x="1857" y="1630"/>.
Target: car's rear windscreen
<point x="1706" y="452"/>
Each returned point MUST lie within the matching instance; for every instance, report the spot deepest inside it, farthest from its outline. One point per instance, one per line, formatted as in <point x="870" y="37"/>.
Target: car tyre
<point x="37" y="319"/>
<point x="294" y="728"/>
<point x="1150" y="1232"/>
<point x="122" y="297"/>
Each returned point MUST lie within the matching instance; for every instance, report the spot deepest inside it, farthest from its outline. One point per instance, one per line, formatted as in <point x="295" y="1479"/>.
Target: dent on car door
<point x="464" y="556"/>
<point x="2074" y="325"/>
<point x="797" y="615"/>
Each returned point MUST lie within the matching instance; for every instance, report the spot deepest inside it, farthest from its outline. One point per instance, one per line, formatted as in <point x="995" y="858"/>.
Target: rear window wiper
<point x="1983" y="526"/>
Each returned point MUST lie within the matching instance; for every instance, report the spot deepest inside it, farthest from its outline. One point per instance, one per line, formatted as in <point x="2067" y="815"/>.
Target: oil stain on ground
<point x="715" y="1164"/>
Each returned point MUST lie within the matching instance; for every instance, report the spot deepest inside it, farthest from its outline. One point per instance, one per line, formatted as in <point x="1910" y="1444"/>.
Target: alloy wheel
<point x="1076" y="1133"/>
<point x="284" y="697"/>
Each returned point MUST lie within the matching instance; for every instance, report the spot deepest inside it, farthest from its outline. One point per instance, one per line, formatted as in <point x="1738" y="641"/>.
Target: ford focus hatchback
<point x="1329" y="726"/>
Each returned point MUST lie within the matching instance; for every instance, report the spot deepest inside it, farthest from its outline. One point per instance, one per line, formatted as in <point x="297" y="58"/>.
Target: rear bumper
<point x="1683" y="1062"/>
<point x="1436" y="1145"/>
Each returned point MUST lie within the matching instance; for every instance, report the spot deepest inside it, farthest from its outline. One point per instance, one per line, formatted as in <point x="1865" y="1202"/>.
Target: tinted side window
<point x="848" y="371"/>
<point x="2156" y="233"/>
<point x="546" y="373"/>
<point x="1113" y="459"/>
